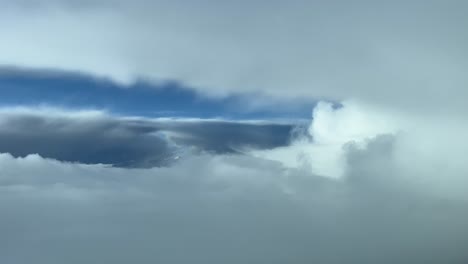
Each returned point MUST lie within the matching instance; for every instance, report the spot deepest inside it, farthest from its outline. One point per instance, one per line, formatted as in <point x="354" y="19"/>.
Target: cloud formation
<point x="399" y="53"/>
<point x="96" y="137"/>
<point x="397" y="199"/>
<point x="425" y="150"/>
<point x="380" y="179"/>
<point x="231" y="209"/>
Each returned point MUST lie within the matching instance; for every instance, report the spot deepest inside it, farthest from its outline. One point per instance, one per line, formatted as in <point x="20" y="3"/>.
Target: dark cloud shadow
<point x="131" y="143"/>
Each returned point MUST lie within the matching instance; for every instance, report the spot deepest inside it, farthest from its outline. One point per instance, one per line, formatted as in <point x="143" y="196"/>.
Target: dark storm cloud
<point x="130" y="143"/>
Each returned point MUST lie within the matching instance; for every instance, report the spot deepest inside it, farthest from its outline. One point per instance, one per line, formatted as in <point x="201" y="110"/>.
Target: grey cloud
<point x="223" y="137"/>
<point x="407" y="54"/>
<point x="130" y="143"/>
<point x="230" y="209"/>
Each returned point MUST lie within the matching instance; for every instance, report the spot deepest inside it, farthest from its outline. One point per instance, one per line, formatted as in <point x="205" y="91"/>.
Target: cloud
<point x="398" y="196"/>
<point x="400" y="54"/>
<point x="224" y="208"/>
<point x="321" y="147"/>
<point x="424" y="150"/>
<point x="97" y="137"/>
<point x="378" y="180"/>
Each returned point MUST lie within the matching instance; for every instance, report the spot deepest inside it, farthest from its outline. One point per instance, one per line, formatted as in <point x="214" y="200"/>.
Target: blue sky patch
<point x="68" y="90"/>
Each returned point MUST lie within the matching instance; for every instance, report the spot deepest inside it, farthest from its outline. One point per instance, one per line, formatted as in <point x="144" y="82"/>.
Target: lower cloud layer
<point x="361" y="187"/>
<point x="229" y="209"/>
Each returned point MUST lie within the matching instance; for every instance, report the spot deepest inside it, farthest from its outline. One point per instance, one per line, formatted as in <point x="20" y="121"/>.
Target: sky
<point x="233" y="131"/>
<point x="142" y="98"/>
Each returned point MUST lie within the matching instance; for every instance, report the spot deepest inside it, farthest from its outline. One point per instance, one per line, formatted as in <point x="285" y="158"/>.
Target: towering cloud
<point x="424" y="151"/>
